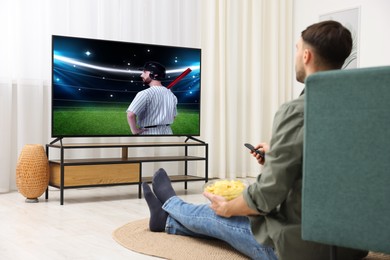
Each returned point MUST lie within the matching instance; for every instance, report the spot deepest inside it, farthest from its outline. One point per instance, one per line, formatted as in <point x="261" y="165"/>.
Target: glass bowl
<point x="227" y="188"/>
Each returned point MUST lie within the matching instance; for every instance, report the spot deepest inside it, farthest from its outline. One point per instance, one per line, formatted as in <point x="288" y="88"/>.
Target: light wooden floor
<point x="81" y="228"/>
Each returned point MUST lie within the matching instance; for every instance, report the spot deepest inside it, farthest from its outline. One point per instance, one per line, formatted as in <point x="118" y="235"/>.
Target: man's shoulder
<point x="295" y="104"/>
<point x="145" y="92"/>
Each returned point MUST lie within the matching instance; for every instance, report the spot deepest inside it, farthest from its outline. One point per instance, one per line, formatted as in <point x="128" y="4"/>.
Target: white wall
<point x="374" y="45"/>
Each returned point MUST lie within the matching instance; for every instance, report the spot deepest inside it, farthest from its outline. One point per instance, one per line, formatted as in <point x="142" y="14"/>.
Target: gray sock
<point x="162" y="186"/>
<point x="158" y="217"/>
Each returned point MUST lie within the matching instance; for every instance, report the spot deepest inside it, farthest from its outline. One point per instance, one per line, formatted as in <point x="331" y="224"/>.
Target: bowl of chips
<point x="227" y="188"/>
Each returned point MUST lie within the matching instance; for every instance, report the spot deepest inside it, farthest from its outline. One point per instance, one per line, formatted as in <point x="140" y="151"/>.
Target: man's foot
<point x="158" y="217"/>
<point x="162" y="186"/>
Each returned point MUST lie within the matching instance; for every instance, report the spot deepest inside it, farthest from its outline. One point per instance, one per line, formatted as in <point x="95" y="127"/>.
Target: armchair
<point x="346" y="175"/>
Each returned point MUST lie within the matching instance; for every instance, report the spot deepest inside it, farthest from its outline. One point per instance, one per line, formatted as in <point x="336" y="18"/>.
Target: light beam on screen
<point x="194" y="67"/>
<point x="87" y="65"/>
<point x="74" y="62"/>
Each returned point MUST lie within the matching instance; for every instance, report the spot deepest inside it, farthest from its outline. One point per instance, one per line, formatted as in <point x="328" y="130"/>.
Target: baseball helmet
<point x="157" y="70"/>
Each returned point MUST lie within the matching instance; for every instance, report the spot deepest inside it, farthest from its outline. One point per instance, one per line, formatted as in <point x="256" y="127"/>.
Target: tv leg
<point x="193" y="138"/>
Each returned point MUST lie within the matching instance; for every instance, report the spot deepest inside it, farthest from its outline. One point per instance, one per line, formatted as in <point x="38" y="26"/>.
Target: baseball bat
<point x="182" y="75"/>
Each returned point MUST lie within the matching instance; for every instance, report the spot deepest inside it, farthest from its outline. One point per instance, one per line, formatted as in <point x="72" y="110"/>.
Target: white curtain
<point x="246" y="63"/>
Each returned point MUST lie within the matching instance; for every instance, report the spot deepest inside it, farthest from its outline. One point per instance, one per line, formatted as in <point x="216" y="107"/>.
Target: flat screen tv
<point x="94" y="81"/>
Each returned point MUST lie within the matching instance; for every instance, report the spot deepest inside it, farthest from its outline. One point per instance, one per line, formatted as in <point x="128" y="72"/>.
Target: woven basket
<point x="32" y="171"/>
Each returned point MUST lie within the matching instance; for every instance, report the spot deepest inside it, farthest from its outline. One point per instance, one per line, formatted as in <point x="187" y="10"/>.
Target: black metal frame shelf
<point x="62" y="163"/>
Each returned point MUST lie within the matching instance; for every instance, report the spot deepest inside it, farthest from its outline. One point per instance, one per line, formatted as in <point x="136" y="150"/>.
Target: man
<point x="265" y="221"/>
<point x="153" y="110"/>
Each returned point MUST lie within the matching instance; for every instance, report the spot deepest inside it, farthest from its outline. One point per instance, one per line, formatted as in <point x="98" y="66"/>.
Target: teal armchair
<point x="346" y="175"/>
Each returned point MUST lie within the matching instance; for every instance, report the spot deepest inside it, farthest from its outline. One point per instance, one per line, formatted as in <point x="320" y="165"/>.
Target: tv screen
<point x="94" y="81"/>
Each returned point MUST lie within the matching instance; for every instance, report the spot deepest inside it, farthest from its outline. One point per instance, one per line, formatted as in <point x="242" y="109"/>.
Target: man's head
<point x="153" y="71"/>
<point x="322" y="46"/>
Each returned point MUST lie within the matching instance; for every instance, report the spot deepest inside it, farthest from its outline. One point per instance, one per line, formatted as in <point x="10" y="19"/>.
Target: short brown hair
<point x="331" y="41"/>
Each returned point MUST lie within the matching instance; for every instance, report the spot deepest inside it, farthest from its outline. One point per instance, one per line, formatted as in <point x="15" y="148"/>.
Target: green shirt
<point x="277" y="192"/>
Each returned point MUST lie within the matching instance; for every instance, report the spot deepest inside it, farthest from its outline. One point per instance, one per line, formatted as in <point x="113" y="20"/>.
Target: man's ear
<point x="307" y="56"/>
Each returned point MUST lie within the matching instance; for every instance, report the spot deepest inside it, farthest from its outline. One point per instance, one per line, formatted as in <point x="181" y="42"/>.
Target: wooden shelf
<point x="127" y="160"/>
<point x="177" y="178"/>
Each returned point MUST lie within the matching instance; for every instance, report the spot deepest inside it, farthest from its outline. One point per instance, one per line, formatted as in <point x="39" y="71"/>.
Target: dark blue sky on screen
<point x="91" y="70"/>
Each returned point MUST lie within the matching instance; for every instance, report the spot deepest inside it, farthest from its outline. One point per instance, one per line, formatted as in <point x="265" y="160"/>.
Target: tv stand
<point x="123" y="170"/>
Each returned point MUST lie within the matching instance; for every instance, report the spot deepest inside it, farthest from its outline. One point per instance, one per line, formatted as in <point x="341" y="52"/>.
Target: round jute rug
<point x="137" y="237"/>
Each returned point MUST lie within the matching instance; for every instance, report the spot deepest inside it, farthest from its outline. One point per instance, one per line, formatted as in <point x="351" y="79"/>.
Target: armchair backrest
<point x="346" y="182"/>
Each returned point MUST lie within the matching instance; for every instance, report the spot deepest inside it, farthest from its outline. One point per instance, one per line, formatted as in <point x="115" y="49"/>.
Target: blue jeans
<point x="201" y="221"/>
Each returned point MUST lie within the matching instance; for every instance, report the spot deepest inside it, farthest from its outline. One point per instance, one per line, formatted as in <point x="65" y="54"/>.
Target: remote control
<point x="250" y="147"/>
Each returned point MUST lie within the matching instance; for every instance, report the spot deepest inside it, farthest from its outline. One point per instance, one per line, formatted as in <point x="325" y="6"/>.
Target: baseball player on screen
<point x="153" y="110"/>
